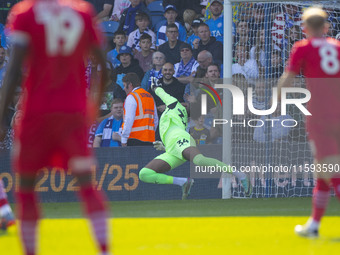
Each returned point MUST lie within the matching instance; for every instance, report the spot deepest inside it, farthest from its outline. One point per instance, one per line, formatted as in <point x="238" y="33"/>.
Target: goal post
<point x="264" y="152"/>
<point x="227" y="99"/>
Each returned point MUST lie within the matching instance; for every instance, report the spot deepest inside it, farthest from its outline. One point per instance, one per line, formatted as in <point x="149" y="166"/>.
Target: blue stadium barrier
<point x="118" y="168"/>
<point x="116" y="174"/>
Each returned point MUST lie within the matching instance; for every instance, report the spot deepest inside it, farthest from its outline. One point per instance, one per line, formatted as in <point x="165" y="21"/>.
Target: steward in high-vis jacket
<point x="140" y="114"/>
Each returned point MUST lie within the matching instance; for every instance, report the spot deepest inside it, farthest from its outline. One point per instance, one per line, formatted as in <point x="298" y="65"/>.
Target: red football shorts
<point x="49" y="140"/>
<point x="325" y="138"/>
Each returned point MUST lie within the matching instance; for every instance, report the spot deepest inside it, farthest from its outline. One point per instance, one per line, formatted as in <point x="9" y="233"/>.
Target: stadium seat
<point x="156" y="6"/>
<point x="109" y="27"/>
<point x="157" y="13"/>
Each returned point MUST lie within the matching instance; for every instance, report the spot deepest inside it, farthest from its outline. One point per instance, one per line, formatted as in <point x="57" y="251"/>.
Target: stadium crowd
<point x="181" y="43"/>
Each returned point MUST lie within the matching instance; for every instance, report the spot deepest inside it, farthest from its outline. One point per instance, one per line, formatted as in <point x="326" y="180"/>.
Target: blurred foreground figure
<point x="318" y="58"/>
<point x="50" y="40"/>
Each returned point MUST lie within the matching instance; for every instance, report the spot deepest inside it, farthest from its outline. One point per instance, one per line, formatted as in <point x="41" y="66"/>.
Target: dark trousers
<point x="136" y="142"/>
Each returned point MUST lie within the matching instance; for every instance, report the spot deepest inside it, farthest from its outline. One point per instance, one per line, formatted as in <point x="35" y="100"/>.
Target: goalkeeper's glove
<point x="155" y="83"/>
<point x="158" y="145"/>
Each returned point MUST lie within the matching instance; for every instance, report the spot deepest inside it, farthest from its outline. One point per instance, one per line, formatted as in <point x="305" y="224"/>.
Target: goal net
<point x="272" y="149"/>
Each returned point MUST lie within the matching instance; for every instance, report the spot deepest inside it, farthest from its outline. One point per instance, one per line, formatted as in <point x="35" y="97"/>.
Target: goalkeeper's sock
<point x="201" y="160"/>
<point x="151" y="176"/>
<point x="180" y="181"/>
<point x="96" y="213"/>
<point x="320" y="199"/>
<point x="28" y="213"/>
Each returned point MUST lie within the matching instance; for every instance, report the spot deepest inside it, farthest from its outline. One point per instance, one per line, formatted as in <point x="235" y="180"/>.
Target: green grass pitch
<point x="240" y="226"/>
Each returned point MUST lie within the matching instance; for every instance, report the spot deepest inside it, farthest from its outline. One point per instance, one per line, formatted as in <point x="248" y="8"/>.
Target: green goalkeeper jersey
<point x="175" y="113"/>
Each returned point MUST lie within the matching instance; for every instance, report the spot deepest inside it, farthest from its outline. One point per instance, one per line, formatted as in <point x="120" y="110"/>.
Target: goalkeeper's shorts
<point x="176" y="140"/>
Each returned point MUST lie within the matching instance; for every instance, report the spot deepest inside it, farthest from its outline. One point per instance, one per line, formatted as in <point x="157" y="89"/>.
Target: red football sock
<point x="97" y="214"/>
<point x="3" y="202"/>
<point x="28" y="213"/>
<point x="336" y="185"/>
<point x="320" y="199"/>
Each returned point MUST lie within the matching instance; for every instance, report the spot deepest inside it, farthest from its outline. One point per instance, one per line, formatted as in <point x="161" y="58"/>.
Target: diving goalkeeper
<point x="179" y="146"/>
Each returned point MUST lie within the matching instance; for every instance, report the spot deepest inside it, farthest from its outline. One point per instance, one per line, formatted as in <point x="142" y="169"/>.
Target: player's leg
<point x="154" y="171"/>
<point x="93" y="200"/>
<point x="6" y="214"/>
<point x="193" y="154"/>
<point x="319" y="205"/>
<point x="326" y="149"/>
<point x="28" y="212"/>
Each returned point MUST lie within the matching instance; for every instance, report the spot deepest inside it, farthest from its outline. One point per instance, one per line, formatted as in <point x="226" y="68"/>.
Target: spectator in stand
<point x="107" y="134"/>
<point x="140" y="114"/>
<point x="257" y="52"/>
<point x="284" y="21"/>
<point x="209" y="43"/>
<point x="256" y="22"/>
<point x="239" y="79"/>
<point x="187" y="66"/>
<point x="181" y="6"/>
<point x="119" y="39"/>
<point x="142" y="22"/>
<point x="105" y="13"/>
<point x="170" y="85"/>
<point x="171" y="47"/>
<point x="199" y="132"/>
<point x="203" y="7"/>
<point x="128" y="64"/>
<point x="294" y="35"/>
<point x="249" y="66"/>
<point x="145" y="55"/>
<point x="277" y="64"/>
<point x="158" y="60"/>
<point x="215" y="22"/>
<point x="113" y="90"/>
<point x="118" y="7"/>
<point x="188" y="17"/>
<point x="204" y="59"/>
<point x="242" y="33"/>
<point x="211" y="78"/>
<point x="170" y="13"/>
<point x="3" y="64"/>
<point x="194" y="26"/>
<point x="127" y="20"/>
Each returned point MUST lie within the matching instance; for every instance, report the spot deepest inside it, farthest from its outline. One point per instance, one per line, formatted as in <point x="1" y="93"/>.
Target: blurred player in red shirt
<point x="318" y="58"/>
<point x="50" y="40"/>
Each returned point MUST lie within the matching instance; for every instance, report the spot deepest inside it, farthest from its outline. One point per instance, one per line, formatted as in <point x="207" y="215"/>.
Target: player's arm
<point x="129" y="117"/>
<point x="286" y="80"/>
<point x="156" y="86"/>
<point x="12" y="79"/>
<point x="97" y="141"/>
